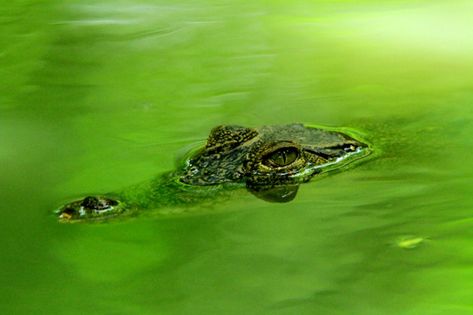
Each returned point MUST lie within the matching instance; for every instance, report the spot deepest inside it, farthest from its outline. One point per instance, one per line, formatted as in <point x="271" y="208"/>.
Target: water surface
<point x="98" y="95"/>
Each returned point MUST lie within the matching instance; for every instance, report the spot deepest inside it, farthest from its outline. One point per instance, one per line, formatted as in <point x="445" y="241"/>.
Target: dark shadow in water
<point x="280" y="193"/>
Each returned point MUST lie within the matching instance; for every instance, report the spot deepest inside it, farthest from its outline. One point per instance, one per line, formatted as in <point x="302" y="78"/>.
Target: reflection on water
<point x="97" y="95"/>
<point x="280" y="193"/>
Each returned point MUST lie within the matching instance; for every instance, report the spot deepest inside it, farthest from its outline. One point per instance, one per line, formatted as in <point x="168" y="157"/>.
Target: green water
<point x="98" y="95"/>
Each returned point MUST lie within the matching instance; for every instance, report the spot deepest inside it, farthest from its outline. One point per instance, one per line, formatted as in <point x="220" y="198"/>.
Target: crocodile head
<point x="270" y="158"/>
<point x="271" y="161"/>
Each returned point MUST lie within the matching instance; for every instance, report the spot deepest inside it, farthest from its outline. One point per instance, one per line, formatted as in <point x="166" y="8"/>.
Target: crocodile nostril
<point x="97" y="203"/>
<point x="91" y="202"/>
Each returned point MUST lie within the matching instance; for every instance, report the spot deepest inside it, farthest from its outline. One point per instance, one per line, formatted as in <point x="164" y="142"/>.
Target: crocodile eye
<point x="281" y="157"/>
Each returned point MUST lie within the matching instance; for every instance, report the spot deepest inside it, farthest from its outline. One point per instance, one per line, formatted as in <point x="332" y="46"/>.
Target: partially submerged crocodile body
<point x="271" y="161"/>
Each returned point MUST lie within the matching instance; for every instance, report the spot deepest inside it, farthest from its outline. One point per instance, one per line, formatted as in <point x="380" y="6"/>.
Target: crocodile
<point x="270" y="161"/>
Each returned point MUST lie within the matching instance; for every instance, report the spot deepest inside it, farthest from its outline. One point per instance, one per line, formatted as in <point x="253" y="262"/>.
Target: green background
<point x="98" y="95"/>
